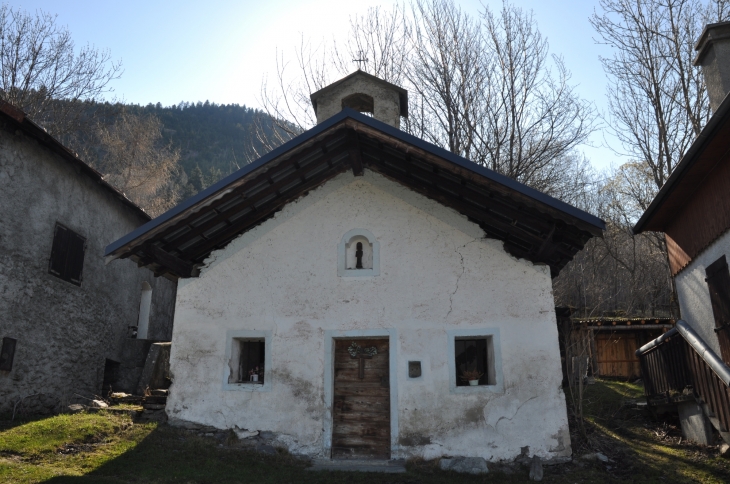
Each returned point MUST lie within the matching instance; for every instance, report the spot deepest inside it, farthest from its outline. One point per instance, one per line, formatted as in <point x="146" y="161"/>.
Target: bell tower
<point x="362" y="92"/>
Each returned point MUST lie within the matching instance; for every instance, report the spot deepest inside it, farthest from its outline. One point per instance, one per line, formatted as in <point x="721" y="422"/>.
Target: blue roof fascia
<point x="224" y="182"/>
<point x="373" y="123"/>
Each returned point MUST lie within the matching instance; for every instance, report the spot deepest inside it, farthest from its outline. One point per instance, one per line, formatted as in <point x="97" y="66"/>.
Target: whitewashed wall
<point x="437" y="273"/>
<point x="694" y="296"/>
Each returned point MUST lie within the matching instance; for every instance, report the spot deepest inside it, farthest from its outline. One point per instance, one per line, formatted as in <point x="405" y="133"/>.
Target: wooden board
<point x="616" y="354"/>
<point x="361" y="406"/>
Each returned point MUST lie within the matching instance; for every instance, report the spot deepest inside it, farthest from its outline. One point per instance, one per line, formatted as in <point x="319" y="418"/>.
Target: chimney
<point x="713" y="54"/>
<point x="362" y="92"/>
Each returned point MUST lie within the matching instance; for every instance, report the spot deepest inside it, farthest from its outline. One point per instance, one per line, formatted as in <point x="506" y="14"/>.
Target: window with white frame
<point x="475" y="362"/>
<point x="249" y="358"/>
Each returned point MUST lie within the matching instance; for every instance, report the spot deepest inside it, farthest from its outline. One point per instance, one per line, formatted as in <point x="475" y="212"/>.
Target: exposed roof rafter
<point x="532" y="225"/>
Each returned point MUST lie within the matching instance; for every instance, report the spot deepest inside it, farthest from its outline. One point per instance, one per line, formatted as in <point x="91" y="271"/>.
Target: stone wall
<point x="386" y="101"/>
<point x="438" y="274"/>
<point x="64" y="332"/>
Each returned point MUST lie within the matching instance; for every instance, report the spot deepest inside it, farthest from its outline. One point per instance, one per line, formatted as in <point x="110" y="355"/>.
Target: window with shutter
<point x="67" y="255"/>
<point x="718" y="283"/>
<point x="7" y="353"/>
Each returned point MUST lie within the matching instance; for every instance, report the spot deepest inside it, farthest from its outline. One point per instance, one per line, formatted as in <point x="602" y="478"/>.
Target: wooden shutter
<point x="57" y="264"/>
<point x="67" y="255"/>
<point x="718" y="282"/>
<point x="75" y="258"/>
<point x="7" y="353"/>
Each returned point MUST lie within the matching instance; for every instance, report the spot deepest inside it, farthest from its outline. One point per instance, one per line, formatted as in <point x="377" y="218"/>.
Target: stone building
<point x="338" y="292"/>
<point x="65" y="316"/>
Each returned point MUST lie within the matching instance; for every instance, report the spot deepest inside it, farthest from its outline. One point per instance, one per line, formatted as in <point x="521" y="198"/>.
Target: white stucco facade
<point x="438" y="278"/>
<point x="694" y="296"/>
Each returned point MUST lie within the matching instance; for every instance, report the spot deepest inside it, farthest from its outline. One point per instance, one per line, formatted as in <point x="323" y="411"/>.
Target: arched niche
<point x="359" y="102"/>
<point x="358" y="254"/>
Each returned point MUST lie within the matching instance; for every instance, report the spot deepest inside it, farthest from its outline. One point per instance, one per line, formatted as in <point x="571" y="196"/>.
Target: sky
<point x="221" y="50"/>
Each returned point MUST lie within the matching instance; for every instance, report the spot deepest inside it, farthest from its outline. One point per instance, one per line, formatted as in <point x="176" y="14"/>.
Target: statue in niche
<point x="358" y="255"/>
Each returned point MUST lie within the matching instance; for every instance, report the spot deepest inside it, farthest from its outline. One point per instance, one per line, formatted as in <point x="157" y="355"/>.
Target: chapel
<point x="361" y="293"/>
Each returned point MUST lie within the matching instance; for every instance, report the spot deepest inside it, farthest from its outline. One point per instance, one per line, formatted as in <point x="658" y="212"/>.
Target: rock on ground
<point x="536" y="469"/>
<point x="465" y="465"/>
<point x="725" y="451"/>
<point x="245" y="434"/>
<point x="595" y="456"/>
<point x="75" y="408"/>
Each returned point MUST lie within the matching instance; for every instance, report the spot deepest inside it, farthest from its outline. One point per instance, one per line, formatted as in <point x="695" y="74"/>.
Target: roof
<point x="610" y="323"/>
<point x="532" y="225"/>
<point x="402" y="93"/>
<point x="689" y="174"/>
<point x="16" y="120"/>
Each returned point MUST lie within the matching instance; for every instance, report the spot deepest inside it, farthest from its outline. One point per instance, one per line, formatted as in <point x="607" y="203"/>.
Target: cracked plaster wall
<point x="438" y="273"/>
<point x="65" y="332"/>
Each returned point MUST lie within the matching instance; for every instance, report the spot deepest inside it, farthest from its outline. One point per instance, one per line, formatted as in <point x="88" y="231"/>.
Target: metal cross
<point x="360" y="61"/>
<point x="358" y="352"/>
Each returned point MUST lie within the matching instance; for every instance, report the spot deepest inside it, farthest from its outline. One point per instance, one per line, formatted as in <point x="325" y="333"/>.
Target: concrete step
<point x="353" y="465"/>
<point x="715" y="422"/>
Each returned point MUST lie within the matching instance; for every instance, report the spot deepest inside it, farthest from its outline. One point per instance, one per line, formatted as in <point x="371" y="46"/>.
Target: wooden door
<point x="361" y="406"/>
<point x="616" y="354"/>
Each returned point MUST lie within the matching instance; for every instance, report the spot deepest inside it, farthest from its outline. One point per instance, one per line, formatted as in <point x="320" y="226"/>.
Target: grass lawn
<point x="111" y="448"/>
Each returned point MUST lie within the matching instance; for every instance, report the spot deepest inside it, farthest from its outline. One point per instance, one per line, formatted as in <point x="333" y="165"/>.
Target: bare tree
<point x="485" y="88"/>
<point x="620" y="274"/>
<point x="657" y="100"/>
<point x="534" y="119"/>
<point x="131" y="155"/>
<point x="382" y="39"/>
<point x="657" y="106"/>
<point x="40" y="65"/>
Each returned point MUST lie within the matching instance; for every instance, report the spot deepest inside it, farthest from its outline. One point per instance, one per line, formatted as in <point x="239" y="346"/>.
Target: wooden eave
<point x="532" y="225"/>
<point x="710" y="148"/>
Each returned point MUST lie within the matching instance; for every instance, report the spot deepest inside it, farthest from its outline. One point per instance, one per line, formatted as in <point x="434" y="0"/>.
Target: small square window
<point x="477" y="351"/>
<point x="474" y="361"/>
<point x="249" y="355"/>
<point x="67" y="255"/>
